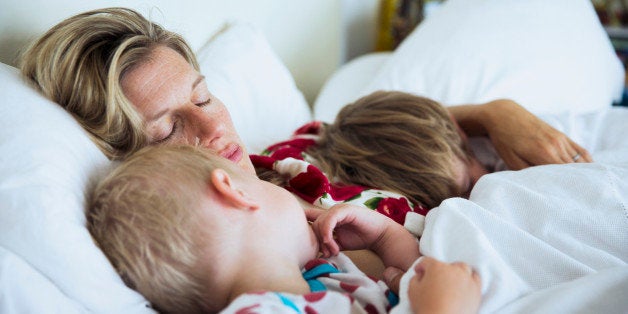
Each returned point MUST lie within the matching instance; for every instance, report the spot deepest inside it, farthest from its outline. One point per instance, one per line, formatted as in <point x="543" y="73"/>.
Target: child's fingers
<point x="465" y="267"/>
<point x="312" y="213"/>
<point x="428" y="263"/>
<point x="425" y="263"/>
<point x="329" y="248"/>
<point x="476" y="278"/>
<point x="325" y="251"/>
<point x="329" y="239"/>
<point x="448" y="287"/>
<point x="419" y="269"/>
<point x="320" y="237"/>
<point x="333" y="248"/>
<point x="326" y="226"/>
<point x="323" y="228"/>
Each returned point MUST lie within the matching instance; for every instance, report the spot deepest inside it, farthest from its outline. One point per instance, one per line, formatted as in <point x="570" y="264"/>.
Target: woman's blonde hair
<point x="79" y="64"/>
<point x="394" y="141"/>
<point x="145" y="217"/>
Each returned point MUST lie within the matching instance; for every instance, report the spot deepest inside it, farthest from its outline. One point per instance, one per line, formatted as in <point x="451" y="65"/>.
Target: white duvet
<point x="547" y="239"/>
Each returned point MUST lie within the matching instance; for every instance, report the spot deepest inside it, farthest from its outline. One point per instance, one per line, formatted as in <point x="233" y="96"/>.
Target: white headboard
<point x="305" y="34"/>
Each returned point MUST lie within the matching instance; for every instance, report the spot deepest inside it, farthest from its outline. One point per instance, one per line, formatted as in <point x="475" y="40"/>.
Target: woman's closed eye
<point x="204" y="103"/>
<point x="173" y="131"/>
<point x="176" y="125"/>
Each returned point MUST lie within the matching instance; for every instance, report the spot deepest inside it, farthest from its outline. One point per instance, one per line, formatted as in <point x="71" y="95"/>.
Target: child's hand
<point x="347" y="227"/>
<point x="441" y="287"/>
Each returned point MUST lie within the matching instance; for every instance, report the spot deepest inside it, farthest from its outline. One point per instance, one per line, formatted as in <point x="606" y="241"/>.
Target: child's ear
<point x="221" y="180"/>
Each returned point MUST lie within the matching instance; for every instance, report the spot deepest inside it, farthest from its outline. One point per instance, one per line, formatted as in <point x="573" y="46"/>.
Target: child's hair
<point x="394" y="141"/>
<point x="145" y="218"/>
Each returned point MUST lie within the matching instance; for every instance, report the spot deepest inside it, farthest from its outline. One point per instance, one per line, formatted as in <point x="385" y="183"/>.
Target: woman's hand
<point x="441" y="287"/>
<point x="520" y="138"/>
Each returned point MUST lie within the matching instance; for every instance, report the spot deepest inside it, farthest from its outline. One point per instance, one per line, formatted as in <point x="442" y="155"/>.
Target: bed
<point x="545" y="239"/>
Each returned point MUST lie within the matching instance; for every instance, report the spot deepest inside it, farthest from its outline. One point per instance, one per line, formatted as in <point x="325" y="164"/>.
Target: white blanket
<point x="545" y="239"/>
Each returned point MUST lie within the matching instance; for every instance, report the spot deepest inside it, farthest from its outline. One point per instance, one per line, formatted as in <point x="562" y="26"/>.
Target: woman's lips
<point x="232" y="152"/>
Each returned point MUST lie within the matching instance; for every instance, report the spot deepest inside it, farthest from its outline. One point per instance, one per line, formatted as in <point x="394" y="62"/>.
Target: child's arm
<point x="441" y="287"/>
<point x="350" y="227"/>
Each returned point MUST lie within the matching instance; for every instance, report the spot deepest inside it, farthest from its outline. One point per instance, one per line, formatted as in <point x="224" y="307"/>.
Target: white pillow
<point x="25" y="290"/>
<point x="346" y="85"/>
<point x="550" y="56"/>
<point x="243" y="71"/>
<point x="47" y="162"/>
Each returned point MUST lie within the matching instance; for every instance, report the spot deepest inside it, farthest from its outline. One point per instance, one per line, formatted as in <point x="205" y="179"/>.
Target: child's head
<point x="396" y="141"/>
<point x="174" y="221"/>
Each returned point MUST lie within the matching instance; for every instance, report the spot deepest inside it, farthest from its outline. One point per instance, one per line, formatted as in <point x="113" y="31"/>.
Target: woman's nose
<point x="206" y="129"/>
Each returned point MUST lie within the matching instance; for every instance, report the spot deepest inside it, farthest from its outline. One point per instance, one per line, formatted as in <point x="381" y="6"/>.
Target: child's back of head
<point x="142" y="216"/>
<point x="394" y="141"/>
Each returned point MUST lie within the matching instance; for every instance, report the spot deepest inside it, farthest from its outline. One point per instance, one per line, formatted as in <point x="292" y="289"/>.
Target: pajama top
<point x="336" y="285"/>
<point x="308" y="182"/>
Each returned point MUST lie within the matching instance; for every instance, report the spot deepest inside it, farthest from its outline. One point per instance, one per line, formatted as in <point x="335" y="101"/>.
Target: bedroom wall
<point x="306" y="35"/>
<point x="358" y="28"/>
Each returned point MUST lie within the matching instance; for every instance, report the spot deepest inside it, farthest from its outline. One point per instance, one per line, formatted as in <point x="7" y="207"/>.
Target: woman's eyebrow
<point x="198" y="80"/>
<point x="159" y="114"/>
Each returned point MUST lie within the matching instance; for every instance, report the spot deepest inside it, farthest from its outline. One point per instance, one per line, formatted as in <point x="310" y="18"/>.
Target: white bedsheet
<point x="545" y="239"/>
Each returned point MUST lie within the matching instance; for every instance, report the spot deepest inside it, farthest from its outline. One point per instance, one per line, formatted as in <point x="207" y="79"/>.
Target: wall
<point x="358" y="27"/>
<point x="305" y="34"/>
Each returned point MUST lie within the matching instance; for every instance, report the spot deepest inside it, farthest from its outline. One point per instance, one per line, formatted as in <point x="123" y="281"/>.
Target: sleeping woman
<point x="130" y="83"/>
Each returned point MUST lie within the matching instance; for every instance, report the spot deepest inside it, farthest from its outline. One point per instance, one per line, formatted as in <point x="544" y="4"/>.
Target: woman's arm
<point x="520" y="138"/>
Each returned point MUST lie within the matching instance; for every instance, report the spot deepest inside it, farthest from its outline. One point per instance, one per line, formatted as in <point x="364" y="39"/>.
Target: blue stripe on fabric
<point x="319" y="270"/>
<point x="287" y="302"/>
<point x="393" y="299"/>
<point x="316" y="285"/>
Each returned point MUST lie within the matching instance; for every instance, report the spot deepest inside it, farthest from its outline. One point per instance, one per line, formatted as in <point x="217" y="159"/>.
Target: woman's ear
<point x="228" y="192"/>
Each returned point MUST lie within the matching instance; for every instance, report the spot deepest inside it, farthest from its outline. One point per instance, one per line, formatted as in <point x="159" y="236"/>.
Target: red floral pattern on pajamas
<point x="312" y="185"/>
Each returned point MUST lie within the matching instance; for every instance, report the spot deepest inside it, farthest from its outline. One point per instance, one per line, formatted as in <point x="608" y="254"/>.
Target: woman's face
<point x="177" y="108"/>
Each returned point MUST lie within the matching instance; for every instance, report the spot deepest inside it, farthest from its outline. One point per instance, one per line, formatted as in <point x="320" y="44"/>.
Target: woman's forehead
<point x="162" y="82"/>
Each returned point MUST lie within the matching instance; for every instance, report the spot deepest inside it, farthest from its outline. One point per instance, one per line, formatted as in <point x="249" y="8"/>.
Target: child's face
<point x="282" y="213"/>
<point x="274" y="199"/>
<point x="467" y="174"/>
<point x="279" y="215"/>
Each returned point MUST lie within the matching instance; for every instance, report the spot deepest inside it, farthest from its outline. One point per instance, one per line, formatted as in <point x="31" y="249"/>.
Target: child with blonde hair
<point x="194" y="233"/>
